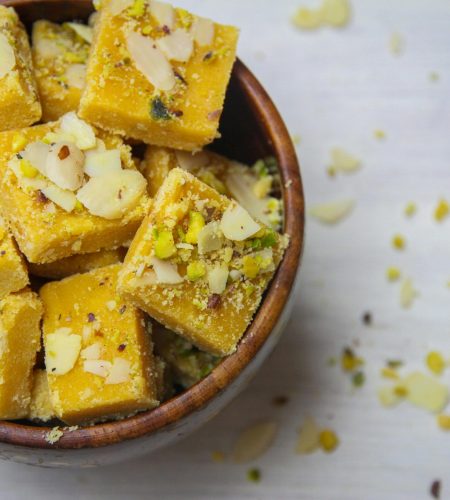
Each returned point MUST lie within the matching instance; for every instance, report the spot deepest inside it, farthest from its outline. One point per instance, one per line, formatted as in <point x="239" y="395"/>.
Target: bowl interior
<point x="251" y="128"/>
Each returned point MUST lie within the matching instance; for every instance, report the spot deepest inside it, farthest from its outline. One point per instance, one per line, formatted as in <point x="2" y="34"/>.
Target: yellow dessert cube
<point x="41" y="408"/>
<point x="20" y="317"/>
<point x="69" y="189"/>
<point x="13" y="272"/>
<point x="60" y="54"/>
<point x="77" y="264"/>
<point x="19" y="103"/>
<point x="158" y="74"/>
<point x="98" y="352"/>
<point x="187" y="363"/>
<point x="252" y="187"/>
<point x="200" y="263"/>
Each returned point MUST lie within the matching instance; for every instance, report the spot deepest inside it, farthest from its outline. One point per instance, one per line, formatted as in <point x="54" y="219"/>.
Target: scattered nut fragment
<point x="344" y="162"/>
<point x="435" y="489"/>
<point x="442" y="210"/>
<point x="410" y="209"/>
<point x="433" y="76"/>
<point x="390" y="373"/>
<point x="393" y="273"/>
<point x="254" y="441"/>
<point x="54" y="435"/>
<point x="309" y="437"/>
<point x="435" y="362"/>
<point x="254" y="475"/>
<point x="335" y="13"/>
<point x="396" y="44"/>
<point x="328" y="440"/>
<point x="398" y="242"/>
<point x="407" y="293"/>
<point x="379" y="134"/>
<point x="349" y="361"/>
<point x="218" y="456"/>
<point x="443" y="422"/>
<point x="332" y="212"/>
<point x="426" y="392"/>
<point x="388" y="396"/>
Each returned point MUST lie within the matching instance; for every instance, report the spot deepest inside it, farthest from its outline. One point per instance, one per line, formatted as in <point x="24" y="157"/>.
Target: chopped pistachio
<point x="435" y="362"/>
<point x="27" y="169"/>
<point x="196" y="223"/>
<point x="349" y="360"/>
<point x="164" y="244"/>
<point x="254" y="475"/>
<point x="396" y="44"/>
<point x="218" y="456"/>
<point x="389" y="373"/>
<point x="398" y="242"/>
<point x="358" y="379"/>
<point x="19" y="142"/>
<point x="442" y="210"/>
<point x="407" y="293"/>
<point x="137" y="9"/>
<point x="328" y="440"/>
<point x="444" y="422"/>
<point x="434" y="76"/>
<point x="158" y="110"/>
<point x="410" y="209"/>
<point x="393" y="273"/>
<point x="250" y="266"/>
<point x="195" y="270"/>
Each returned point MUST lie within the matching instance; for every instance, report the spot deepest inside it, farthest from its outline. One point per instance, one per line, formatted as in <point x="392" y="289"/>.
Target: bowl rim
<point x="267" y="316"/>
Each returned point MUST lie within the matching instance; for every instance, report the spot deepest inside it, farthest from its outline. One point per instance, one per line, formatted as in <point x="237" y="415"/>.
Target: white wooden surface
<point x="333" y="88"/>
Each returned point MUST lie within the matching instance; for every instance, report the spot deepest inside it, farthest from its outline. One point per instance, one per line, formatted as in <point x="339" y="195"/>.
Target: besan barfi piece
<point x="60" y="54"/>
<point x="252" y="187"/>
<point x="41" y="408"/>
<point x="78" y="264"/>
<point x="13" y="272"/>
<point x="19" y="103"/>
<point x="158" y="74"/>
<point x="68" y="189"/>
<point x="20" y="316"/>
<point x="98" y="352"/>
<point x="200" y="263"/>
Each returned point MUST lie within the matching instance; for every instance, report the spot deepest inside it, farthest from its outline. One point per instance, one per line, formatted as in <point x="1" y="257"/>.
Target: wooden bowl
<point x="251" y="128"/>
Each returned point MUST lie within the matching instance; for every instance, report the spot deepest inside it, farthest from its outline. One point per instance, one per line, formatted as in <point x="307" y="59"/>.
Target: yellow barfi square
<point x="60" y="54"/>
<point x="20" y="317"/>
<point x="200" y="263"/>
<point x="41" y="408"/>
<point x="13" y="272"/>
<point x="98" y="352"/>
<point x="69" y="189"/>
<point x="77" y="264"/>
<point x="19" y="103"/>
<point x="253" y="187"/>
<point x="158" y="74"/>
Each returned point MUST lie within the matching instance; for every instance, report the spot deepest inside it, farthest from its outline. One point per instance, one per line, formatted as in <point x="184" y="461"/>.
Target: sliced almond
<point x="61" y="351"/>
<point x="166" y="272"/>
<point x="237" y="224"/>
<point x="407" y="293"/>
<point x="112" y="196"/>
<point x="217" y="279"/>
<point x="426" y="392"/>
<point x="83" y="31"/>
<point x="76" y="76"/>
<point x="47" y="48"/>
<point x="7" y="56"/>
<point x="333" y="212"/>
<point x="64" y="165"/>
<point x="36" y="153"/>
<point x="308" y="437"/>
<point x="84" y="134"/>
<point x="119" y="372"/>
<point x="97" y="367"/>
<point x="177" y="46"/>
<point x="240" y="183"/>
<point x="163" y="13"/>
<point x="335" y="12"/>
<point x="344" y="162"/>
<point x="203" y="31"/>
<point x="210" y="238"/>
<point x="151" y="61"/>
<point x="116" y="7"/>
<point x="100" y="163"/>
<point x="254" y="441"/>
<point x="64" y="199"/>
<point x="94" y="351"/>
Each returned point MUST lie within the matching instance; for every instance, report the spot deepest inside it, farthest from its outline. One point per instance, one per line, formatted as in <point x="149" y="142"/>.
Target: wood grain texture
<point x="251" y="127"/>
